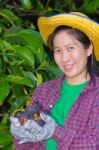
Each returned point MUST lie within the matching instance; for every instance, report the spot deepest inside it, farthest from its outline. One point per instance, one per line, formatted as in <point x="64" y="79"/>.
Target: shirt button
<point x="50" y="106"/>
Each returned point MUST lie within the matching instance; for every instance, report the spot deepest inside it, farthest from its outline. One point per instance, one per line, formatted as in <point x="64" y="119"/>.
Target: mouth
<point x="68" y="67"/>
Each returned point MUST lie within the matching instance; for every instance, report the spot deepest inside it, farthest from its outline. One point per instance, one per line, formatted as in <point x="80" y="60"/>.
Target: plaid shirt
<point x="81" y="128"/>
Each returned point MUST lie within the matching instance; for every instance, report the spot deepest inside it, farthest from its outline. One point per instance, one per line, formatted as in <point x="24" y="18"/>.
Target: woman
<point x="73" y="100"/>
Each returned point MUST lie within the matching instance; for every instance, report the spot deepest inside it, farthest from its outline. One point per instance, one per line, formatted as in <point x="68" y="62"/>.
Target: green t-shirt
<point x="69" y="94"/>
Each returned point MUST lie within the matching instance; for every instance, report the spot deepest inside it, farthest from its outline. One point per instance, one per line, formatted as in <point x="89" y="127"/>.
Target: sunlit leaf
<point x="19" y="80"/>
<point x="4" y="91"/>
<point x="4" y="45"/>
<point x="30" y="76"/>
<point x="7" y="137"/>
<point x="27" y="4"/>
<point x="39" y="78"/>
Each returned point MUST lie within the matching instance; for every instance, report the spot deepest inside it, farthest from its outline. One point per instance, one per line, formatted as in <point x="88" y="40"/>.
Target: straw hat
<point x="76" y="20"/>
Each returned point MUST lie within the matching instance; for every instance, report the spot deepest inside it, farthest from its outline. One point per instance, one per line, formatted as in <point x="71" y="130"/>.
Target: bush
<point x="24" y="64"/>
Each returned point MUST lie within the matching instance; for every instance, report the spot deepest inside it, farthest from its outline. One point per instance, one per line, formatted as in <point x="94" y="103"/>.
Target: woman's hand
<point x="31" y="131"/>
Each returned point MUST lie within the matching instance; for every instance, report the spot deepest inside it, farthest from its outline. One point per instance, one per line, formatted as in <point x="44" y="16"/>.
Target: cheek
<point x="81" y="59"/>
<point x="57" y="58"/>
<point x="82" y="55"/>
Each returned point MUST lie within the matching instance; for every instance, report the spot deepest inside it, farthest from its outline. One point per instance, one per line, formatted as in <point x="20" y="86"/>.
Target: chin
<point x="69" y="75"/>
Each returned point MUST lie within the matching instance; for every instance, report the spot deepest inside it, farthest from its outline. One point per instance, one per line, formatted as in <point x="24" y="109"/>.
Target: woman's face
<point x="71" y="57"/>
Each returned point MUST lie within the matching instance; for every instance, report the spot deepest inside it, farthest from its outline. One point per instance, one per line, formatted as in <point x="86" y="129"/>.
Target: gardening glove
<point x="44" y="132"/>
<point x="23" y="132"/>
<point x="48" y="129"/>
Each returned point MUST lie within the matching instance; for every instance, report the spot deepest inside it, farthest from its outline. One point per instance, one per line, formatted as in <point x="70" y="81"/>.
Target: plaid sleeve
<point x="89" y="140"/>
<point x="64" y="136"/>
<point x="25" y="146"/>
<point x="29" y="145"/>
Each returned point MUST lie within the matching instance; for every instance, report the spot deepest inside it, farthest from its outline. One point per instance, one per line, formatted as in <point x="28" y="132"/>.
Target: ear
<point x="90" y="50"/>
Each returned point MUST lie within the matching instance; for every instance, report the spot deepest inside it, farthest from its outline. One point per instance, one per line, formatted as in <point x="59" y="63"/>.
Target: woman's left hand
<point x="32" y="132"/>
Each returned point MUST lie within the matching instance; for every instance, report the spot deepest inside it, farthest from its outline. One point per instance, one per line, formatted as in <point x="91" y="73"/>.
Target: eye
<point x="57" y="50"/>
<point x="71" y="48"/>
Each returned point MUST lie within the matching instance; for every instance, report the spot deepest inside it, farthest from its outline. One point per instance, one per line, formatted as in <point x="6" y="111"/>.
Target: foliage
<point x="24" y="59"/>
<point x="30" y="10"/>
<point x="24" y="64"/>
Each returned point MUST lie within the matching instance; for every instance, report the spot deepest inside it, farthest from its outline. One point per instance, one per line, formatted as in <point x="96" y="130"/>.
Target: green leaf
<point x="26" y="53"/>
<point x="50" y="67"/>
<point x="39" y="78"/>
<point x="35" y="34"/>
<point x="1" y="67"/>
<point x="30" y="76"/>
<point x="4" y="91"/>
<point x="24" y="37"/>
<point x="40" y="6"/>
<point x="14" y="29"/>
<point x="27" y="4"/>
<point x="15" y="70"/>
<point x="90" y="6"/>
<point x="12" y="58"/>
<point x="19" y="80"/>
<point x="18" y="90"/>
<point x="4" y="45"/>
<point x="8" y="147"/>
<point x="2" y="27"/>
<point x="18" y="103"/>
<point x="3" y="126"/>
<point x="5" y="137"/>
<point x="45" y="65"/>
<point x="38" y="53"/>
<point x="37" y="47"/>
<point x="9" y="15"/>
<point x="5" y="118"/>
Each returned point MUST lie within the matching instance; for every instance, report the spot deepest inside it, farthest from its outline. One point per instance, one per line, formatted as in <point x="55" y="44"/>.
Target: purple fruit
<point x="18" y="114"/>
<point x="32" y="111"/>
<point x="22" y="116"/>
<point x="34" y="108"/>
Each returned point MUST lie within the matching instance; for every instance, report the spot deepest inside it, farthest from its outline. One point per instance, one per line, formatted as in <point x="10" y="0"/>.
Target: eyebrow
<point x="66" y="45"/>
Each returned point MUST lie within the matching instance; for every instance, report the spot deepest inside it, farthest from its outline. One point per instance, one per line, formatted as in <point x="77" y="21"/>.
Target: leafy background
<point x="25" y="62"/>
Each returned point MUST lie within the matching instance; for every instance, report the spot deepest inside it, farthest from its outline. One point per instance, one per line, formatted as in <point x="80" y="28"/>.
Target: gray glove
<point x="31" y="131"/>
<point x="47" y="130"/>
<point x="22" y="132"/>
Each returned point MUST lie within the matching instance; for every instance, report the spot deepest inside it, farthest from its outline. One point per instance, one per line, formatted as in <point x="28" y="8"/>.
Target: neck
<point x="78" y="80"/>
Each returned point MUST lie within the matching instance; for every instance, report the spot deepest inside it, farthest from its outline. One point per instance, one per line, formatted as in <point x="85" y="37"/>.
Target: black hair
<point x="92" y="64"/>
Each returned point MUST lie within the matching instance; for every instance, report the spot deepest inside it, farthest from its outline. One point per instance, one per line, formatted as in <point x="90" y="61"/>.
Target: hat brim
<point x="47" y="25"/>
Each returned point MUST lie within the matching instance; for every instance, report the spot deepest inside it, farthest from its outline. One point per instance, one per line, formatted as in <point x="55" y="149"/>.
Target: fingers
<point x="23" y="141"/>
<point x="15" y="121"/>
<point x="33" y="127"/>
<point x="45" y="117"/>
<point x="31" y="124"/>
<point x="17" y="131"/>
<point x="26" y="132"/>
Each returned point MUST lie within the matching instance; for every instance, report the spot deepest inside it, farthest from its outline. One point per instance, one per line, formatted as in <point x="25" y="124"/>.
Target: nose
<point x="65" y="56"/>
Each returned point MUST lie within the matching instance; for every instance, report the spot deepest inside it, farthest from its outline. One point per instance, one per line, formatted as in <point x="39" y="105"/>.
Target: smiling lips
<point x="68" y="67"/>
